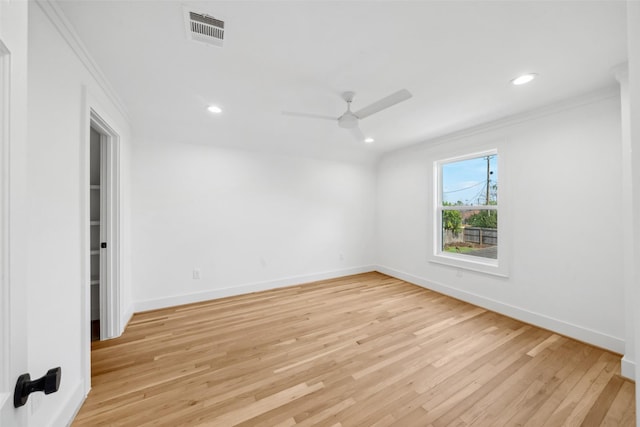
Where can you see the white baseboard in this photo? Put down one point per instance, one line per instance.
(69, 411)
(246, 289)
(126, 318)
(571, 330)
(628, 368)
(574, 331)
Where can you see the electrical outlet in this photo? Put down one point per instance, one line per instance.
(263, 262)
(341, 256)
(196, 273)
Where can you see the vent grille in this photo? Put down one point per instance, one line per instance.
(204, 28)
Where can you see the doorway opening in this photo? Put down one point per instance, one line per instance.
(104, 225)
(97, 232)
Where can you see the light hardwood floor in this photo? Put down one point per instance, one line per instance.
(364, 350)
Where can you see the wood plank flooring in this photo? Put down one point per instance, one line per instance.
(364, 350)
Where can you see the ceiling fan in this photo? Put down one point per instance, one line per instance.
(349, 119)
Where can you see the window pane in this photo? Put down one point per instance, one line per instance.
(470, 232)
(470, 182)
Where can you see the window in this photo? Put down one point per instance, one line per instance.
(466, 216)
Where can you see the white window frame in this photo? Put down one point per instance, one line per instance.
(491, 266)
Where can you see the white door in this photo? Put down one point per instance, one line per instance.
(13, 330)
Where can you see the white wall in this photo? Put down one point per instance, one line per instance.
(560, 190)
(246, 220)
(57, 199)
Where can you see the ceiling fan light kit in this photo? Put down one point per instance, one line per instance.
(350, 119)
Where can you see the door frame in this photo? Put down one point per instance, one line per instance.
(109, 283)
(110, 290)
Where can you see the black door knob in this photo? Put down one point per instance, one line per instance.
(49, 383)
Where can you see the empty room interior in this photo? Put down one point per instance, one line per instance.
(285, 213)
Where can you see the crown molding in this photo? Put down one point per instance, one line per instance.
(608, 92)
(55, 14)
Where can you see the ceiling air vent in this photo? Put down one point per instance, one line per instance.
(204, 28)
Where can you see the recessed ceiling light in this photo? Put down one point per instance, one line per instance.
(214, 109)
(525, 78)
(368, 140)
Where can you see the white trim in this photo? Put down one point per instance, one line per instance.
(495, 267)
(65, 28)
(577, 332)
(175, 300)
(587, 335)
(110, 227)
(621, 73)
(126, 316)
(85, 242)
(468, 264)
(471, 208)
(628, 368)
(105, 229)
(512, 120)
(468, 156)
(68, 412)
(5, 306)
(93, 115)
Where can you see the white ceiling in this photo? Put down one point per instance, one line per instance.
(455, 57)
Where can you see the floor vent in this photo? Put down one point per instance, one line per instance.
(204, 28)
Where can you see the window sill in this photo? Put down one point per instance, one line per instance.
(490, 267)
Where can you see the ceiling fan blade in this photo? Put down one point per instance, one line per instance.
(357, 133)
(393, 99)
(309, 115)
